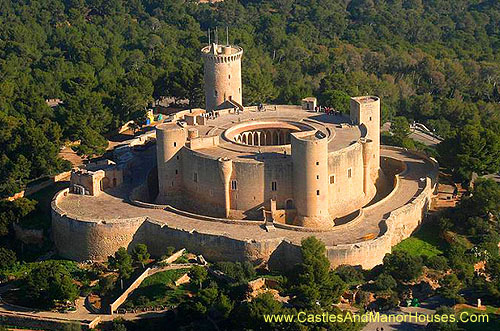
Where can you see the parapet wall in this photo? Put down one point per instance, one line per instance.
(400, 224)
(81, 239)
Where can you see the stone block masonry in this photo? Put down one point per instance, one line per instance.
(81, 239)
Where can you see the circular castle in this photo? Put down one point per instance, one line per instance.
(249, 183)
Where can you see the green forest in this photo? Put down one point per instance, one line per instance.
(433, 61)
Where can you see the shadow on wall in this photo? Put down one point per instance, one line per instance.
(285, 256)
(158, 236)
(153, 188)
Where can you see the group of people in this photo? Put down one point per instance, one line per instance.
(211, 114)
(326, 110)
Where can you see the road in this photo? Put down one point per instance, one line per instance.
(417, 135)
(428, 307)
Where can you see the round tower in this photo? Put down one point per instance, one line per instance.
(222, 75)
(170, 138)
(310, 179)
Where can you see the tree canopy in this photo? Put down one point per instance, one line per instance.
(314, 281)
(48, 283)
(436, 62)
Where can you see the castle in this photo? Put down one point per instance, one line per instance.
(248, 183)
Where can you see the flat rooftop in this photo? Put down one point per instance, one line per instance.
(337, 127)
(216, 49)
(366, 99)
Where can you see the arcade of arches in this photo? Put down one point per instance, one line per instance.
(264, 137)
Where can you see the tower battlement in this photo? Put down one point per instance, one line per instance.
(221, 53)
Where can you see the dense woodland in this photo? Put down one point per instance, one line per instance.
(433, 61)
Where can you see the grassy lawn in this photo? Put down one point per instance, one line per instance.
(158, 289)
(492, 324)
(425, 241)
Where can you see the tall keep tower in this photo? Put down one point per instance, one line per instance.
(222, 76)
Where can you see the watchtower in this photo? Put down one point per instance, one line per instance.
(170, 138)
(310, 178)
(222, 75)
(365, 111)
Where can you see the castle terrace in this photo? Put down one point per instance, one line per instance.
(94, 227)
(249, 183)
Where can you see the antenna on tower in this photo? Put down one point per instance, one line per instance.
(209, 36)
(227, 35)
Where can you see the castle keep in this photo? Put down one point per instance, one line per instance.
(249, 183)
(314, 168)
(222, 75)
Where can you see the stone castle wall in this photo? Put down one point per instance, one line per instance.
(80, 240)
(346, 193)
(86, 239)
(253, 180)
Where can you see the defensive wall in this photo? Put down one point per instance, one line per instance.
(28, 321)
(138, 281)
(82, 239)
(314, 168)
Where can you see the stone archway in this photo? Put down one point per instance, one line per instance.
(269, 137)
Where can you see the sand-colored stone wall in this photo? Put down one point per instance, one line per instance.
(170, 140)
(346, 193)
(81, 240)
(205, 189)
(310, 178)
(399, 225)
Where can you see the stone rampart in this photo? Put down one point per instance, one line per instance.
(97, 239)
(80, 239)
(121, 299)
(399, 225)
(214, 247)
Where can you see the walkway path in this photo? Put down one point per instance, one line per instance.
(111, 206)
(82, 313)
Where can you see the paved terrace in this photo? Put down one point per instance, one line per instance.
(112, 206)
(342, 135)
